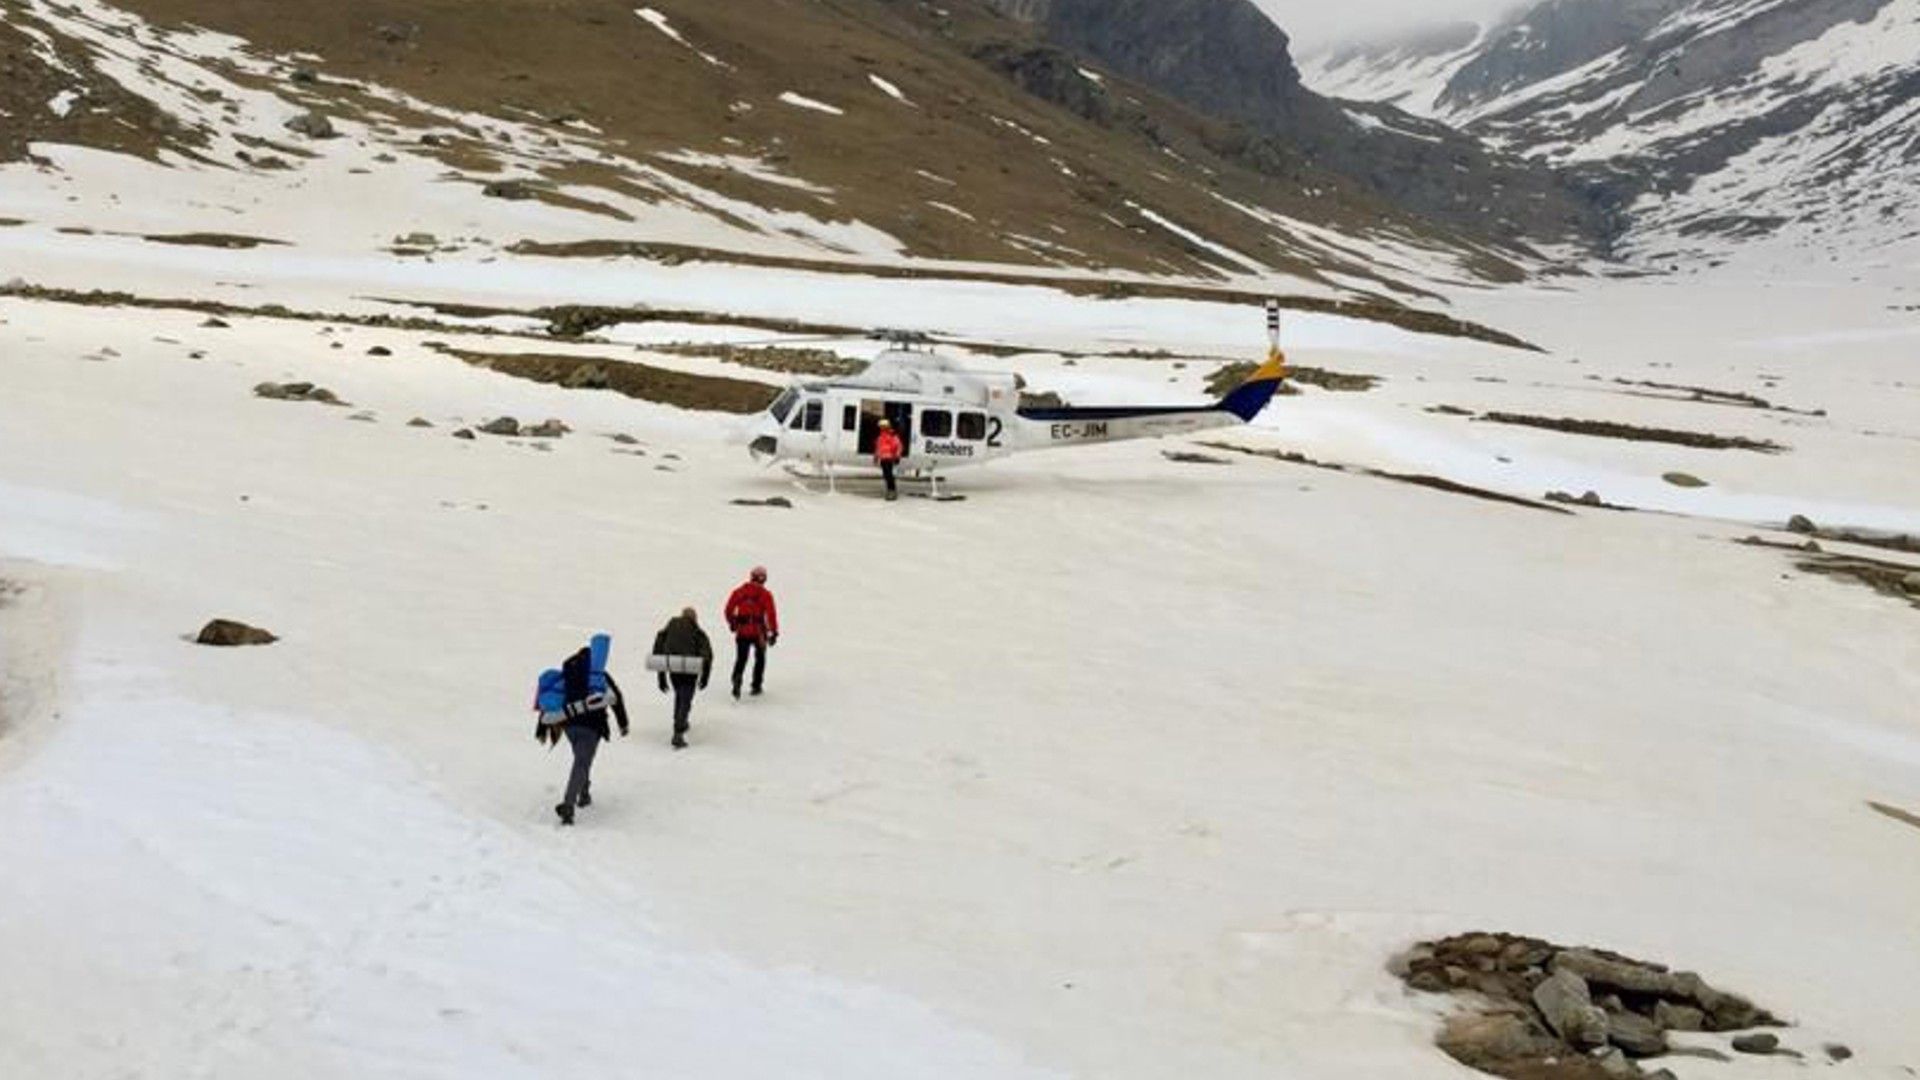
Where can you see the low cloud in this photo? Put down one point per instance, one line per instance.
(1317, 24)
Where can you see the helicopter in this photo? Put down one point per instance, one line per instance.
(949, 417)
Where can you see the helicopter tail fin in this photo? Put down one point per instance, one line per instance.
(1250, 398)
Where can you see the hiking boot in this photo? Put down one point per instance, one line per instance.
(757, 691)
(679, 743)
(565, 812)
(586, 800)
(736, 691)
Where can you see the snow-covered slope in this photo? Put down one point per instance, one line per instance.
(1122, 767)
(1709, 120)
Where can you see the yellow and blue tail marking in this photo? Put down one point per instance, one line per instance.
(1251, 397)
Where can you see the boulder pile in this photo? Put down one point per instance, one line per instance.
(1550, 1011)
(297, 391)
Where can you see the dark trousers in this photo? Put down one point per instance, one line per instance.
(586, 743)
(886, 470)
(741, 647)
(683, 689)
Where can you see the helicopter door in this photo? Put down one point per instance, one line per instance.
(899, 413)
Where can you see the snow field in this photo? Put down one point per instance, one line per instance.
(997, 813)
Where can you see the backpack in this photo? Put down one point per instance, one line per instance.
(564, 690)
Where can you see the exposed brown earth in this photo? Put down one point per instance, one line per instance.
(227, 241)
(1902, 816)
(1707, 396)
(821, 363)
(1229, 376)
(1900, 581)
(1042, 183)
(1379, 310)
(1609, 429)
(687, 391)
(104, 115)
(1433, 483)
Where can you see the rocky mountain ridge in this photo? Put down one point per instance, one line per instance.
(1703, 123)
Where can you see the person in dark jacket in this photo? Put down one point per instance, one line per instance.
(681, 643)
(755, 623)
(585, 726)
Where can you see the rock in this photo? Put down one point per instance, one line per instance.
(546, 429)
(1759, 1042)
(1614, 1063)
(1837, 1052)
(229, 633)
(324, 396)
(512, 190)
(625, 439)
(417, 239)
(463, 433)
(1911, 583)
(305, 76)
(313, 125)
(1724, 1012)
(1812, 547)
(778, 501)
(419, 421)
(1677, 1017)
(1684, 480)
(1591, 498)
(271, 391)
(1480, 1039)
(379, 350)
(1635, 1034)
(1661, 1074)
(215, 323)
(14, 284)
(1564, 1000)
(1802, 524)
(364, 417)
(505, 425)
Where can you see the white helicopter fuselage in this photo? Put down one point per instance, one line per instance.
(949, 417)
(960, 419)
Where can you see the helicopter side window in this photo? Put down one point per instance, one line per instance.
(812, 416)
(936, 423)
(972, 425)
(783, 405)
(849, 417)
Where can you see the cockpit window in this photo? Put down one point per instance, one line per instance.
(783, 405)
(812, 415)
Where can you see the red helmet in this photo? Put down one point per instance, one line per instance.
(759, 574)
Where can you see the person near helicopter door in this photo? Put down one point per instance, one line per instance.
(887, 452)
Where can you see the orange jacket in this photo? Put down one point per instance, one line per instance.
(888, 448)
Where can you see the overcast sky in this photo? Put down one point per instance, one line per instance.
(1314, 23)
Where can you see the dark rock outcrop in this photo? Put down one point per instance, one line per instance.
(230, 633)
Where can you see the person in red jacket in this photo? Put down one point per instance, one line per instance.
(887, 452)
(755, 624)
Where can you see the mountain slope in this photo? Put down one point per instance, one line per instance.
(862, 129)
(1704, 121)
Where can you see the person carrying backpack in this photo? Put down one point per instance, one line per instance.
(887, 452)
(574, 700)
(755, 624)
(683, 656)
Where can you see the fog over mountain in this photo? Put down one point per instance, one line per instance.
(1314, 25)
